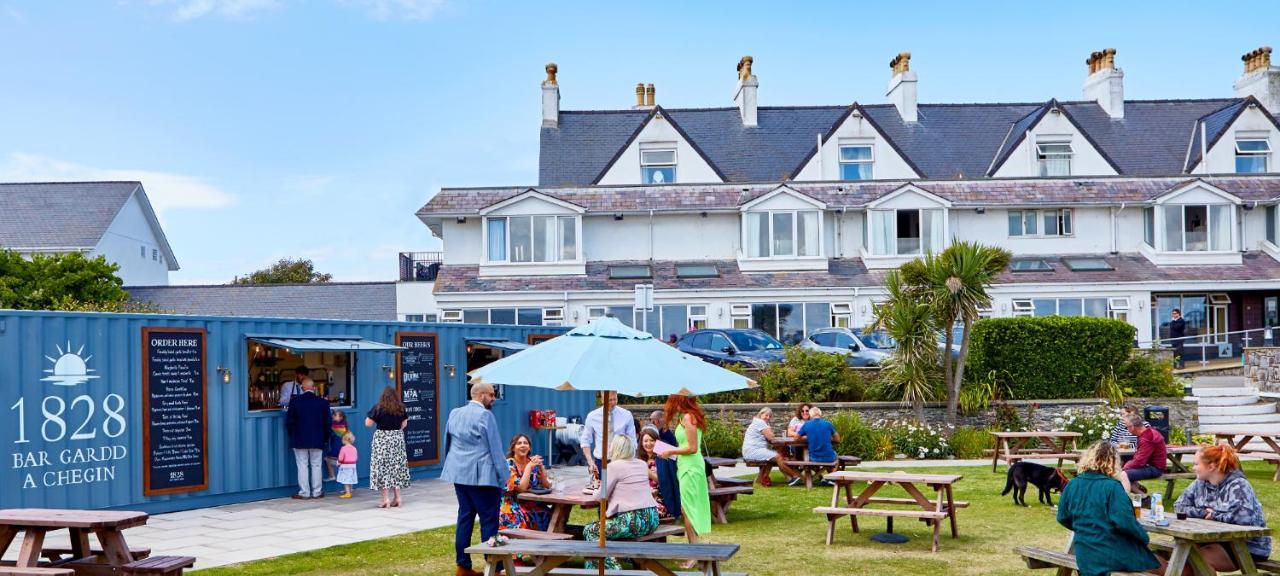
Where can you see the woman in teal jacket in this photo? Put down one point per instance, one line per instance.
(1096, 507)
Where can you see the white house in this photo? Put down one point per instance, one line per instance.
(109, 219)
(786, 218)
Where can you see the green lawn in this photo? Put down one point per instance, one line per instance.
(779, 534)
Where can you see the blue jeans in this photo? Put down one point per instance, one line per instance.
(475, 501)
(1147, 472)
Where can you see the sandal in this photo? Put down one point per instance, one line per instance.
(395, 504)
(384, 505)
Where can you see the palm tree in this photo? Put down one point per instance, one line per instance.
(954, 285)
(909, 319)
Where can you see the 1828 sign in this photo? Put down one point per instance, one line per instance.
(175, 425)
(418, 377)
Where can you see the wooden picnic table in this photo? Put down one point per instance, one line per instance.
(1011, 446)
(547, 556)
(932, 512)
(1189, 533)
(562, 506)
(1272, 439)
(107, 526)
(1173, 453)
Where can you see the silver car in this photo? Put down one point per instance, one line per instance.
(844, 342)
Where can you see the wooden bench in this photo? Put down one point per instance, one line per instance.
(663, 532)
(527, 534)
(550, 555)
(808, 468)
(723, 482)
(594, 572)
(843, 462)
(56, 553)
(1166, 545)
(1040, 558)
(162, 565)
(16, 571)
(1275, 460)
(721, 498)
(1170, 481)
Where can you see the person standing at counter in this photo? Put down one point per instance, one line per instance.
(293, 387)
(476, 465)
(389, 463)
(309, 422)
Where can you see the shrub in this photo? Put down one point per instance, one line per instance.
(810, 376)
(967, 442)
(1178, 436)
(920, 441)
(723, 436)
(858, 439)
(1094, 425)
(1146, 376)
(1052, 357)
(1008, 419)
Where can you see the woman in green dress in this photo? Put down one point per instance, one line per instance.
(695, 505)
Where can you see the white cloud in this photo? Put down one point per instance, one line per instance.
(187, 10)
(397, 9)
(166, 190)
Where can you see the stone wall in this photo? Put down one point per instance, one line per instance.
(1262, 368)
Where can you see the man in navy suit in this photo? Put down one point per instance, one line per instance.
(310, 424)
(476, 465)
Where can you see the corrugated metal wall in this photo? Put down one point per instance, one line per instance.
(248, 452)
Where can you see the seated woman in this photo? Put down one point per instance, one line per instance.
(1221, 493)
(525, 473)
(632, 511)
(757, 447)
(1097, 508)
(793, 427)
(649, 439)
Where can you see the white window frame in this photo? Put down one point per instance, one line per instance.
(1162, 236)
(1023, 307)
(594, 312)
(1043, 157)
(1118, 308)
(673, 164)
(451, 316)
(871, 161)
(553, 316)
(740, 312)
(559, 242)
(692, 315)
(1062, 218)
(1264, 154)
(795, 234)
(940, 243)
(841, 315)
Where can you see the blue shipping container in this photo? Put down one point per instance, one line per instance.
(72, 390)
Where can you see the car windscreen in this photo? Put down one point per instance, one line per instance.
(878, 339)
(752, 341)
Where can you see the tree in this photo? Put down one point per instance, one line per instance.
(953, 284)
(913, 369)
(286, 271)
(69, 281)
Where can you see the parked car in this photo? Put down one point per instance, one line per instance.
(748, 348)
(842, 341)
(880, 340)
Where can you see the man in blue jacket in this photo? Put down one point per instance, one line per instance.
(309, 422)
(476, 465)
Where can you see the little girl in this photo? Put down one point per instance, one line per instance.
(347, 458)
(340, 429)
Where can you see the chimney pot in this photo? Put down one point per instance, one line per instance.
(745, 97)
(1260, 79)
(551, 73)
(639, 94)
(1105, 82)
(551, 98)
(649, 96)
(902, 87)
(900, 63)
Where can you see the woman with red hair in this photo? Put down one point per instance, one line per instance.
(695, 505)
(1221, 493)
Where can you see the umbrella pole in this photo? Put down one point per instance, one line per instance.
(607, 436)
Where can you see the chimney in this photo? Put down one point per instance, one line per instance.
(1105, 83)
(639, 96)
(1260, 80)
(648, 96)
(745, 98)
(902, 87)
(551, 98)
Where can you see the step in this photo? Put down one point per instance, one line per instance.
(1228, 400)
(1259, 408)
(1232, 391)
(1263, 428)
(1240, 419)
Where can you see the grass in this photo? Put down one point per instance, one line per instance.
(779, 534)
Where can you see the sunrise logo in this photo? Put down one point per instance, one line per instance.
(69, 368)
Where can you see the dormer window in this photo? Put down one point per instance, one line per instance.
(1197, 228)
(856, 161)
(658, 164)
(1054, 158)
(907, 232)
(523, 239)
(1252, 155)
(783, 234)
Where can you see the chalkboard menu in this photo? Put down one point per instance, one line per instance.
(418, 378)
(175, 422)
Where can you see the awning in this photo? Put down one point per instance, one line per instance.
(328, 343)
(504, 345)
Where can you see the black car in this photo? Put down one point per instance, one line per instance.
(749, 348)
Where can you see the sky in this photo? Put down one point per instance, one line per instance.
(264, 129)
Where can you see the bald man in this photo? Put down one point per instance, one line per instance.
(476, 465)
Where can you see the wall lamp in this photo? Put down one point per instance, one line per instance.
(617, 216)
(451, 369)
(980, 210)
(225, 374)
(462, 220)
(390, 370)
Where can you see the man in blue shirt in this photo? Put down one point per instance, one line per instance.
(821, 436)
(592, 439)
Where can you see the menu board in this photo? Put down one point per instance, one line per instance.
(175, 422)
(418, 378)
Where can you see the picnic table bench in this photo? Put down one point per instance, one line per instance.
(1177, 468)
(562, 506)
(112, 556)
(1012, 447)
(647, 556)
(1271, 439)
(723, 491)
(1184, 535)
(932, 513)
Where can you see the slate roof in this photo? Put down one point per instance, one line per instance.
(71, 215)
(329, 301)
(948, 141)
(992, 192)
(846, 273)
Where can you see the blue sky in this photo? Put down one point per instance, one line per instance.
(272, 128)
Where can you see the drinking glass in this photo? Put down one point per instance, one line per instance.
(1137, 506)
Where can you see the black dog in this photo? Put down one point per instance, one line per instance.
(1047, 479)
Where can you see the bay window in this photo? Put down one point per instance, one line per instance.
(783, 234)
(907, 232)
(522, 239)
(1197, 227)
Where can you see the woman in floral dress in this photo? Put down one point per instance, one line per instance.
(525, 473)
(648, 439)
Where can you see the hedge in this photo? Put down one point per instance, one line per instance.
(1052, 357)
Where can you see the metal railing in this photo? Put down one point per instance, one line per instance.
(420, 266)
(1216, 346)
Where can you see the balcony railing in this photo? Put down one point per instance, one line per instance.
(420, 266)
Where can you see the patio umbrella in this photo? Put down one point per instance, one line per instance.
(607, 356)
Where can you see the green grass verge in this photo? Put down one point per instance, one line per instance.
(780, 535)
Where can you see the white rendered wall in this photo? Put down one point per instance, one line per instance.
(888, 164)
(128, 234)
(690, 167)
(462, 243)
(1091, 232)
(1222, 156)
(1085, 159)
(415, 298)
(674, 237)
